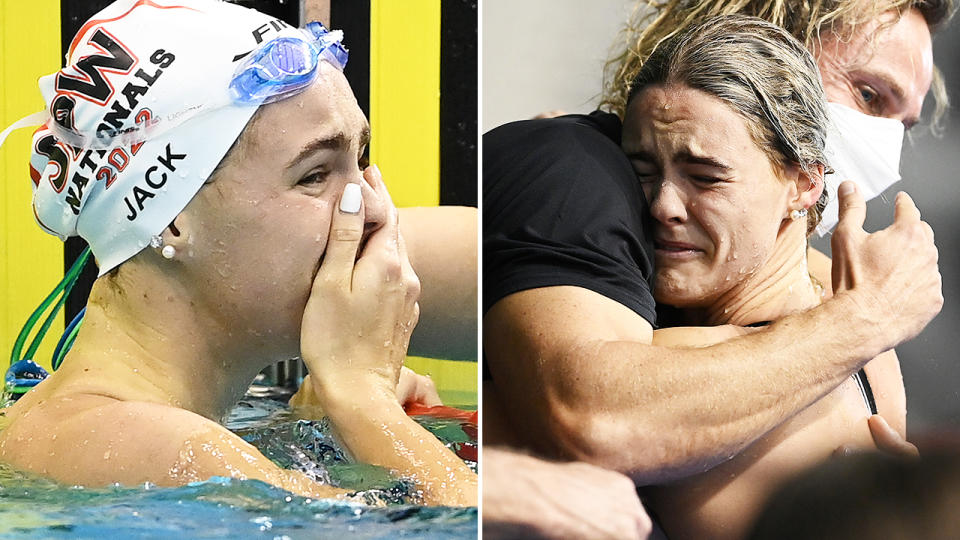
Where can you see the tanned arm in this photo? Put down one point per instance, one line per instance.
(582, 379)
(442, 243)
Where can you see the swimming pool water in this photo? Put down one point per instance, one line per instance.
(33, 507)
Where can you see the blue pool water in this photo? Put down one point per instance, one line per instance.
(32, 507)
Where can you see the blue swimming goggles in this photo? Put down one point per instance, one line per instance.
(284, 66)
(276, 69)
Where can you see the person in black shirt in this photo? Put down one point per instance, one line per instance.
(568, 328)
(544, 228)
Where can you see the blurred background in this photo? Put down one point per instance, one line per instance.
(541, 55)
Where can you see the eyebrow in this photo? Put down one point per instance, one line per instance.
(336, 142)
(892, 85)
(898, 94)
(685, 156)
(690, 157)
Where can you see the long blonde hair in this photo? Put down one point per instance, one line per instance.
(654, 21)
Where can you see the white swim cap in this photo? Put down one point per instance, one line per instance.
(143, 113)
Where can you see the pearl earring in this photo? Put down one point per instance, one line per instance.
(168, 252)
(797, 214)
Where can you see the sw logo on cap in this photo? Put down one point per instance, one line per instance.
(91, 82)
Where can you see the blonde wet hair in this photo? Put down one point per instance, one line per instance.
(762, 73)
(655, 21)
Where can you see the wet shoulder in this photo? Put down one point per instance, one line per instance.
(97, 440)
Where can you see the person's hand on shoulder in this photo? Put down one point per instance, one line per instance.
(892, 275)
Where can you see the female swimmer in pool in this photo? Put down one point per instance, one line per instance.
(725, 129)
(234, 228)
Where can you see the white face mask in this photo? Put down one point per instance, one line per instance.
(861, 148)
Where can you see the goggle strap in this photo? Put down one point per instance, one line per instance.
(33, 119)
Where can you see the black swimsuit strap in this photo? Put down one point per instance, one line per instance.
(865, 390)
(861, 377)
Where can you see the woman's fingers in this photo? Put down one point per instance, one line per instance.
(410, 278)
(346, 231)
(375, 179)
(415, 388)
(888, 440)
(381, 255)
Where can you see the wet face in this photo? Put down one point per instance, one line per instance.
(887, 77)
(259, 230)
(715, 197)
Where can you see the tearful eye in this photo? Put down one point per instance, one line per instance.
(646, 178)
(707, 179)
(314, 178)
(645, 173)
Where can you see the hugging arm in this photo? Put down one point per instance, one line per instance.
(596, 388)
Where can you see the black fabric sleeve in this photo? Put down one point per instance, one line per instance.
(562, 206)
